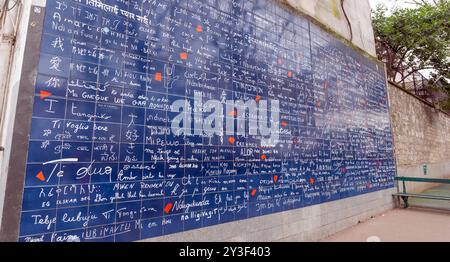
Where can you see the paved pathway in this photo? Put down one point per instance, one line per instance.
(427, 220)
(442, 190)
(400, 225)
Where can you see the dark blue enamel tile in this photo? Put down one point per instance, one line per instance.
(152, 228)
(36, 222)
(46, 200)
(43, 151)
(172, 224)
(54, 65)
(71, 218)
(103, 193)
(56, 45)
(53, 84)
(102, 214)
(47, 178)
(131, 232)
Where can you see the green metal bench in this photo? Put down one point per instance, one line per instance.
(405, 195)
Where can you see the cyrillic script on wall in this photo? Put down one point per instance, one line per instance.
(159, 116)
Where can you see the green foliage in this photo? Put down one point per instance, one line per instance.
(415, 39)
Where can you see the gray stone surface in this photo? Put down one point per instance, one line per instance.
(331, 14)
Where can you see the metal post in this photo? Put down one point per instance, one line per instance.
(415, 86)
(403, 80)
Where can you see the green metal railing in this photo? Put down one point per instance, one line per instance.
(404, 195)
(420, 179)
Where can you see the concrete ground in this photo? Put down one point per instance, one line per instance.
(443, 190)
(426, 221)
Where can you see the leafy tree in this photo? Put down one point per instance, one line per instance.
(410, 40)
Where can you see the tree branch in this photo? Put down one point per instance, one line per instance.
(414, 71)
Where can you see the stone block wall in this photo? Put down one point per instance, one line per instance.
(421, 136)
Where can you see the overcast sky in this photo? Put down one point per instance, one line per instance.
(392, 3)
(388, 3)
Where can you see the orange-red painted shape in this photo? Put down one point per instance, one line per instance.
(44, 94)
(158, 76)
(275, 178)
(41, 176)
(167, 208)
